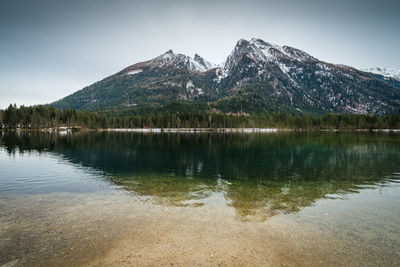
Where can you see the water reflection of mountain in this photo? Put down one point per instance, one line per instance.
(259, 175)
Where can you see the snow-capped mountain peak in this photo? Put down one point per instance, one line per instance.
(392, 73)
(204, 63)
(260, 52)
(256, 53)
(169, 58)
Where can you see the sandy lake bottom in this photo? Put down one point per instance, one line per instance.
(122, 199)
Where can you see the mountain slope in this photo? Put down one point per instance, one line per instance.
(256, 77)
(167, 78)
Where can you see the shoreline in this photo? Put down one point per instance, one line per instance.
(195, 130)
(65, 130)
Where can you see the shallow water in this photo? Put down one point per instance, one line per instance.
(199, 199)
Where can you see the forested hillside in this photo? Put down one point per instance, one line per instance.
(37, 117)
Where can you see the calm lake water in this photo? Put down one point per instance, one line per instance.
(296, 199)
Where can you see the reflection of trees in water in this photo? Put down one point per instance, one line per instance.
(259, 202)
(166, 190)
(259, 175)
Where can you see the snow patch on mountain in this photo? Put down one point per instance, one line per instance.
(221, 73)
(193, 90)
(132, 72)
(189, 85)
(284, 68)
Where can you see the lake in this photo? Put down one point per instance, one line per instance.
(115, 198)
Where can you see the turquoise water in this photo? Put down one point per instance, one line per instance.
(341, 188)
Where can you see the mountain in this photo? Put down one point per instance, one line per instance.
(256, 77)
(390, 73)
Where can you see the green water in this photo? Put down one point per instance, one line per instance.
(343, 185)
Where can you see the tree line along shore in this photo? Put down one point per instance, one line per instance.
(47, 117)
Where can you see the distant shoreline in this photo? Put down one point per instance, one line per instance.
(64, 130)
(195, 130)
(237, 130)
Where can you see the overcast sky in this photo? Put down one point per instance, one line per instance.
(51, 48)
